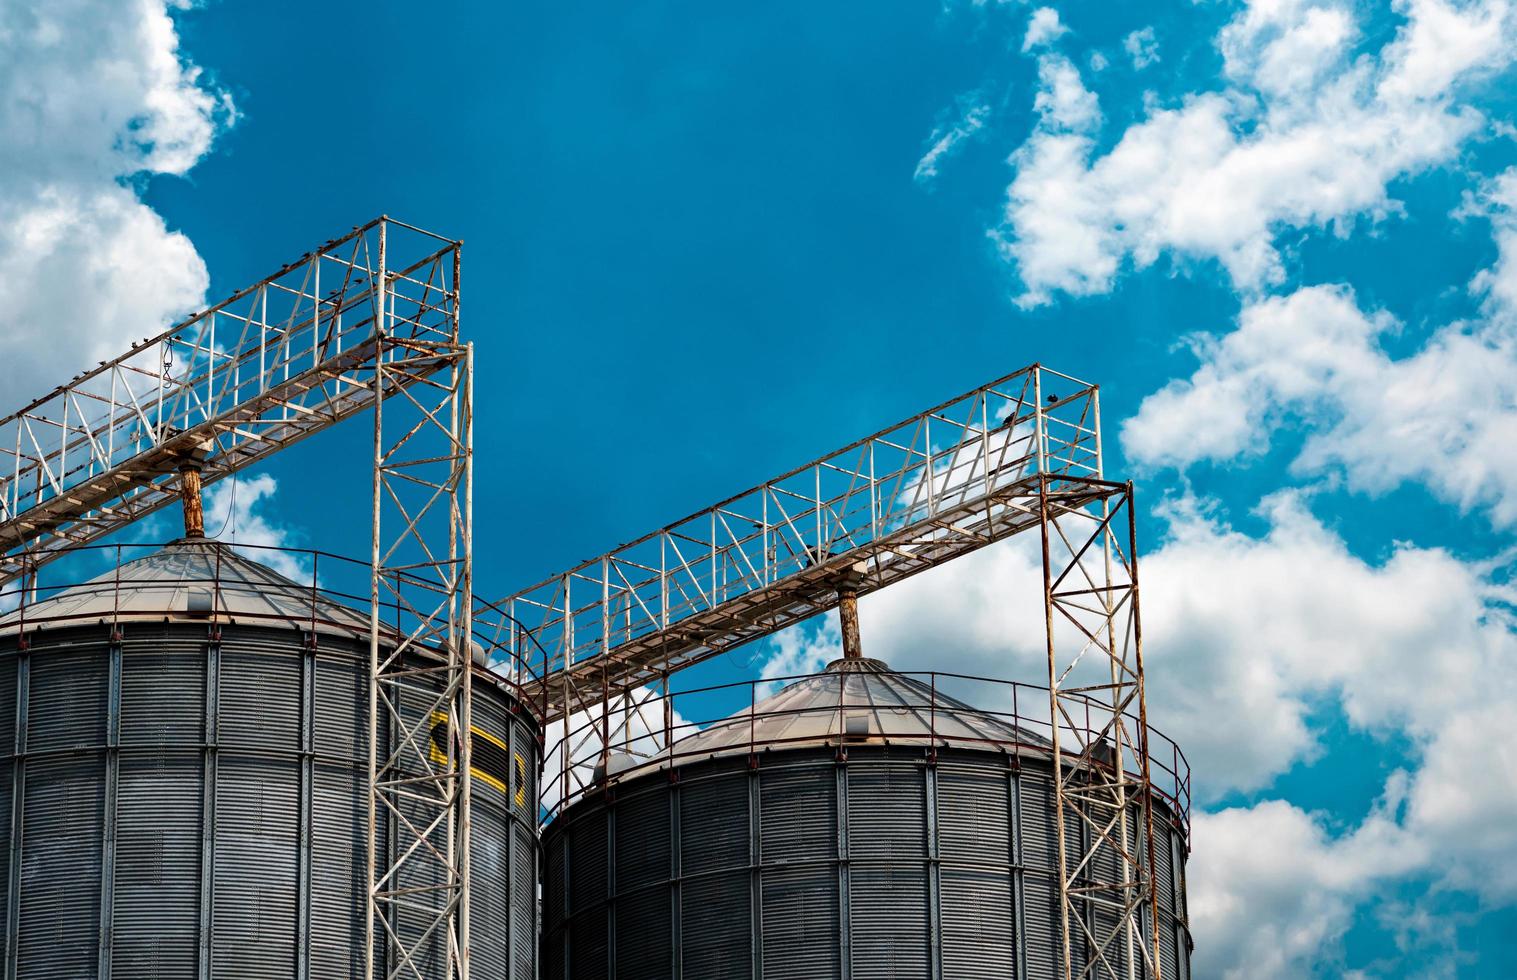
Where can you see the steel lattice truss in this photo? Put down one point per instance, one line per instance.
(273, 364)
(369, 320)
(939, 485)
(1019, 454)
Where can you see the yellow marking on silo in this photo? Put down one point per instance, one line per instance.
(481, 766)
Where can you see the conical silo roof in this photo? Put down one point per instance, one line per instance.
(862, 701)
(191, 578)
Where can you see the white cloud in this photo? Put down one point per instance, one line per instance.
(1292, 619)
(1258, 903)
(948, 136)
(636, 725)
(1445, 416)
(1142, 47)
(1065, 218)
(1287, 351)
(1043, 27)
(1498, 202)
(85, 271)
(1302, 135)
(85, 267)
(1445, 41)
(235, 513)
(1283, 48)
(1063, 102)
(1248, 641)
(1271, 889)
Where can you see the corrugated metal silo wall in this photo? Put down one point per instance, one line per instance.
(181, 807)
(883, 867)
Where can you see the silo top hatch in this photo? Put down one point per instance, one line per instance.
(192, 578)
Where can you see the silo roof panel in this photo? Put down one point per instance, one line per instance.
(192, 578)
(860, 700)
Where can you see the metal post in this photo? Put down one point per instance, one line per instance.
(462, 627)
(1053, 717)
(1143, 753)
(372, 906)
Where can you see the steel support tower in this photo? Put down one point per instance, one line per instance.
(422, 571)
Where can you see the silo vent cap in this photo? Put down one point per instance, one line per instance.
(199, 602)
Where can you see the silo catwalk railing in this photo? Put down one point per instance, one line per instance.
(648, 729)
(369, 320)
(326, 582)
(1020, 453)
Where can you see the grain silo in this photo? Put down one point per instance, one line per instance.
(187, 791)
(857, 824)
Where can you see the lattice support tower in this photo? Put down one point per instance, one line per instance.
(420, 666)
(1108, 899)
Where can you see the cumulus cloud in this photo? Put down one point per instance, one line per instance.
(85, 271)
(640, 724)
(1142, 47)
(1262, 911)
(1288, 351)
(1063, 102)
(235, 512)
(1272, 889)
(1497, 201)
(85, 267)
(1312, 360)
(1043, 27)
(1415, 647)
(968, 121)
(1304, 133)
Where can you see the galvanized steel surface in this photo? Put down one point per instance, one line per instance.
(187, 800)
(861, 698)
(799, 865)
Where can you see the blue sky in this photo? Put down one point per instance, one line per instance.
(706, 243)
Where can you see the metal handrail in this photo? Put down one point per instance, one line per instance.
(332, 581)
(591, 744)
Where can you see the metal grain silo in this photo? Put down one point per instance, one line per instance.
(186, 790)
(857, 824)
